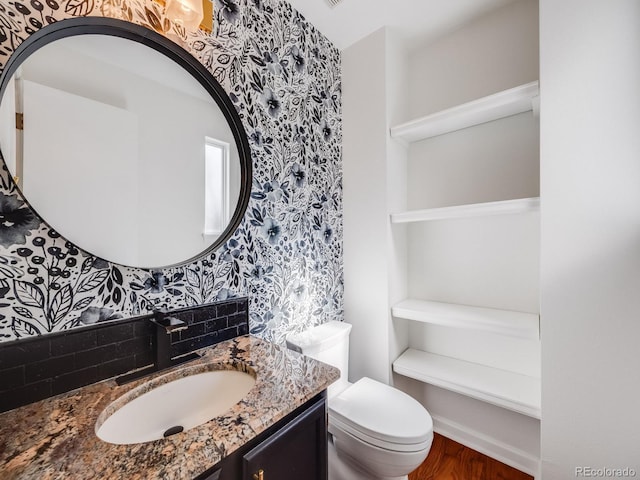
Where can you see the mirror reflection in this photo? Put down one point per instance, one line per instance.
(120, 150)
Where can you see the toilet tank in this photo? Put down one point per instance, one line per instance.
(328, 343)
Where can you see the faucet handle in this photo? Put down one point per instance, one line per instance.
(159, 311)
(170, 324)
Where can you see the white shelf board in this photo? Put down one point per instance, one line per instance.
(509, 390)
(503, 207)
(493, 107)
(504, 322)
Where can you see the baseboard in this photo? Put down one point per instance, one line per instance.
(507, 454)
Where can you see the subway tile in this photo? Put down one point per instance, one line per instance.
(144, 328)
(194, 330)
(95, 356)
(24, 351)
(210, 339)
(116, 367)
(243, 305)
(226, 308)
(189, 345)
(216, 324)
(204, 314)
(25, 395)
(237, 319)
(49, 368)
(115, 333)
(180, 348)
(71, 381)
(184, 316)
(130, 347)
(72, 342)
(143, 359)
(227, 334)
(12, 378)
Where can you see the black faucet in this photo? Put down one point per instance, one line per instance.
(165, 326)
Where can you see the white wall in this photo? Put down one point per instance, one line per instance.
(374, 176)
(397, 256)
(96, 205)
(8, 125)
(491, 53)
(590, 176)
(364, 128)
(495, 161)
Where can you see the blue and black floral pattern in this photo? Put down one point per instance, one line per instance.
(17, 221)
(283, 77)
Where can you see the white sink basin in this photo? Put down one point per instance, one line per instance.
(186, 402)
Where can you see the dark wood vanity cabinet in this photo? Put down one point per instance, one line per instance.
(293, 449)
(296, 451)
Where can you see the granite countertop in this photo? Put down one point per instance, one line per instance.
(55, 438)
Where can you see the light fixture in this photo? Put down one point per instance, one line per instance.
(188, 13)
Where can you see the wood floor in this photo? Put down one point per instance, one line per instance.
(449, 460)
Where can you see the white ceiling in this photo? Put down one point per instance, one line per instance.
(416, 20)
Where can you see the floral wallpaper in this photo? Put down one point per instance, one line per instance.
(283, 77)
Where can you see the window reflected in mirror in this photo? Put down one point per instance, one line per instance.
(216, 189)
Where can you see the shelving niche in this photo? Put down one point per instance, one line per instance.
(513, 391)
(503, 104)
(504, 207)
(498, 386)
(504, 322)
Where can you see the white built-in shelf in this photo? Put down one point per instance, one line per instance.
(513, 391)
(504, 322)
(499, 105)
(503, 207)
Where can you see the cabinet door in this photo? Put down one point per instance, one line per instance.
(297, 451)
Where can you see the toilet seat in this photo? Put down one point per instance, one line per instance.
(381, 416)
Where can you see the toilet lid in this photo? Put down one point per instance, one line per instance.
(382, 415)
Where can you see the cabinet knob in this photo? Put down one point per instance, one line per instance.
(259, 475)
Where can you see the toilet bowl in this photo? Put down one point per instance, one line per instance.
(375, 431)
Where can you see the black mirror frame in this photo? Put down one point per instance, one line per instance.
(120, 28)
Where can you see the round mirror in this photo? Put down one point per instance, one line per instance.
(123, 143)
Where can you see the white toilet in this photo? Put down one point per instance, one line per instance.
(375, 431)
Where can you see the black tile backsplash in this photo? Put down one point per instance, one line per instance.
(95, 356)
(38, 367)
(75, 379)
(210, 326)
(49, 368)
(115, 334)
(83, 341)
(13, 377)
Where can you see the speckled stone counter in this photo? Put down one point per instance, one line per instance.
(55, 438)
